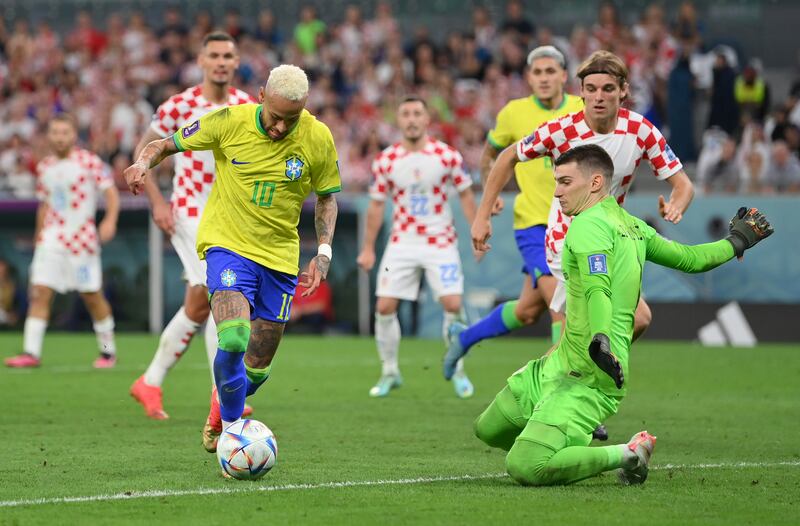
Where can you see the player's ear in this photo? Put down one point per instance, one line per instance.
(598, 182)
(261, 95)
(624, 91)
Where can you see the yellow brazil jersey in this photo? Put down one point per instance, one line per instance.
(260, 186)
(516, 120)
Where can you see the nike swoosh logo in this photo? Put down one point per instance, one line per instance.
(234, 161)
(229, 390)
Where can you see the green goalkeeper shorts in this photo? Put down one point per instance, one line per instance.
(545, 394)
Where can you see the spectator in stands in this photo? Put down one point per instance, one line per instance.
(267, 29)
(680, 108)
(517, 25)
(688, 28)
(724, 109)
(309, 31)
(752, 93)
(717, 168)
(753, 158)
(784, 170)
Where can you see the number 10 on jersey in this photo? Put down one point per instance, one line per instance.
(263, 191)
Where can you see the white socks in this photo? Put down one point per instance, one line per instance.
(447, 320)
(33, 335)
(210, 335)
(104, 330)
(34, 330)
(172, 344)
(387, 338)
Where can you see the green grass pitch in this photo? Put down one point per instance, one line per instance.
(727, 420)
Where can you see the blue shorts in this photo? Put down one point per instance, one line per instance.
(530, 243)
(268, 291)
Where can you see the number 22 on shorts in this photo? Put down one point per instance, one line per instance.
(449, 273)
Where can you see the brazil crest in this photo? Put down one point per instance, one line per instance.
(294, 168)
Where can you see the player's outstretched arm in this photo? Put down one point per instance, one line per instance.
(161, 210)
(747, 227)
(152, 154)
(107, 228)
(499, 176)
(679, 200)
(468, 207)
(325, 212)
(366, 258)
(488, 155)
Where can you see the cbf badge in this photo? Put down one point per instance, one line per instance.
(294, 168)
(228, 277)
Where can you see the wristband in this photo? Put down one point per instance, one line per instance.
(325, 250)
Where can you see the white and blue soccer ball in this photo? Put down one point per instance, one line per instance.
(247, 449)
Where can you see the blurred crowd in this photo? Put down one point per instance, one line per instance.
(714, 107)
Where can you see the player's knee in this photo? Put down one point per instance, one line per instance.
(528, 314)
(197, 308)
(233, 336)
(451, 303)
(484, 432)
(38, 295)
(526, 463)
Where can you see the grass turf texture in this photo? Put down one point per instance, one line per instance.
(71, 432)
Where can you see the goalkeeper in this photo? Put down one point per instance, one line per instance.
(544, 417)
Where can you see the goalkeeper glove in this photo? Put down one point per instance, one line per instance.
(748, 227)
(600, 352)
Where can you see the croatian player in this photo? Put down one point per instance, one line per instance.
(269, 158)
(67, 254)
(546, 76)
(416, 174)
(191, 185)
(627, 136)
(545, 415)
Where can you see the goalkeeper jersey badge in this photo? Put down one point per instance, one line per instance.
(597, 264)
(228, 277)
(294, 168)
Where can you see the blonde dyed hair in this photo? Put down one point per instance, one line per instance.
(604, 62)
(288, 81)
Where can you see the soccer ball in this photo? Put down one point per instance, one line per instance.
(247, 450)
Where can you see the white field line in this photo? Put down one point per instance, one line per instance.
(247, 488)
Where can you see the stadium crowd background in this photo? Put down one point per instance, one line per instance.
(714, 105)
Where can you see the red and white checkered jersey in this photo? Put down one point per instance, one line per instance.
(194, 171)
(635, 138)
(71, 187)
(418, 183)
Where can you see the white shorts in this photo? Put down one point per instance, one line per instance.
(402, 266)
(184, 240)
(64, 272)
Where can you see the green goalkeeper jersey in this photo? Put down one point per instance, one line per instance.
(604, 254)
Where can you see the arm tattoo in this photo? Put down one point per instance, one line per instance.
(323, 264)
(157, 151)
(325, 212)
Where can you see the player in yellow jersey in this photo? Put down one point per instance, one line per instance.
(546, 76)
(269, 157)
